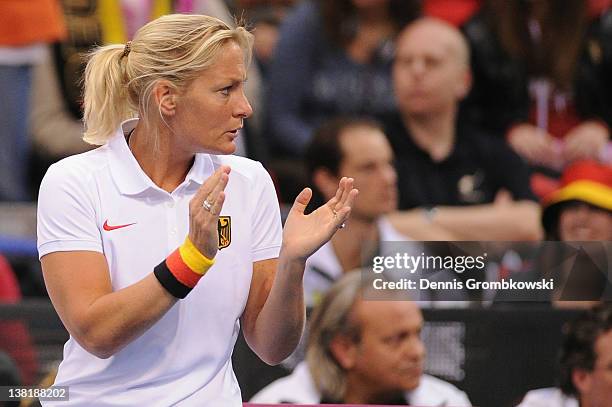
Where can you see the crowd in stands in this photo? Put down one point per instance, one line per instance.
(459, 120)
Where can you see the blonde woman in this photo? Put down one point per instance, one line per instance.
(157, 245)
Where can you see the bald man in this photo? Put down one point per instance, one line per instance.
(458, 183)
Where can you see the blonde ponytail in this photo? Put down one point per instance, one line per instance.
(119, 80)
(106, 103)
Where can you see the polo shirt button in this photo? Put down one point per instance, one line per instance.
(170, 204)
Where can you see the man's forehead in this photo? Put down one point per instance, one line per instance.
(603, 346)
(379, 313)
(431, 35)
(352, 139)
(426, 44)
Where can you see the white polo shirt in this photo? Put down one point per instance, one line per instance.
(299, 388)
(323, 268)
(548, 397)
(102, 201)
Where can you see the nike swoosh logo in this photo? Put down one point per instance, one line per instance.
(108, 227)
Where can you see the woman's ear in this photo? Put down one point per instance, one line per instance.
(165, 97)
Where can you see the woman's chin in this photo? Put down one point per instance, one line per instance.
(226, 149)
(230, 149)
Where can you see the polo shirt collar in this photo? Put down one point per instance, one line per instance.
(129, 176)
(201, 169)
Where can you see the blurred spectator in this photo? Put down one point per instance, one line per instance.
(265, 16)
(586, 365)
(277, 8)
(363, 352)
(9, 374)
(120, 19)
(543, 77)
(9, 287)
(455, 12)
(333, 57)
(15, 339)
(581, 208)
(266, 31)
(357, 148)
(55, 121)
(45, 383)
(56, 115)
(469, 185)
(598, 7)
(354, 148)
(25, 26)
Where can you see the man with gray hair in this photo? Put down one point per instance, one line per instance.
(363, 352)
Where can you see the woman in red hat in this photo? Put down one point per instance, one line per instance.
(581, 208)
(577, 217)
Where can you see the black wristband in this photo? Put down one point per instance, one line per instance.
(169, 282)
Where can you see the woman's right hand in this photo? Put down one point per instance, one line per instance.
(586, 141)
(203, 230)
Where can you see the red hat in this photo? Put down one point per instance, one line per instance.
(586, 181)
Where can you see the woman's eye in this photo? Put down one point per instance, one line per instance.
(225, 91)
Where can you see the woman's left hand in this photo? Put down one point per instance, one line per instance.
(305, 234)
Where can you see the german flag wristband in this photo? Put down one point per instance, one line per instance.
(182, 269)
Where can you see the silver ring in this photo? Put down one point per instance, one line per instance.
(342, 226)
(207, 205)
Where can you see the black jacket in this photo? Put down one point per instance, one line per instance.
(499, 96)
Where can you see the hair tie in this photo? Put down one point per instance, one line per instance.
(127, 49)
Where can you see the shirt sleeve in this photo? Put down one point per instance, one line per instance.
(266, 222)
(512, 172)
(66, 217)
